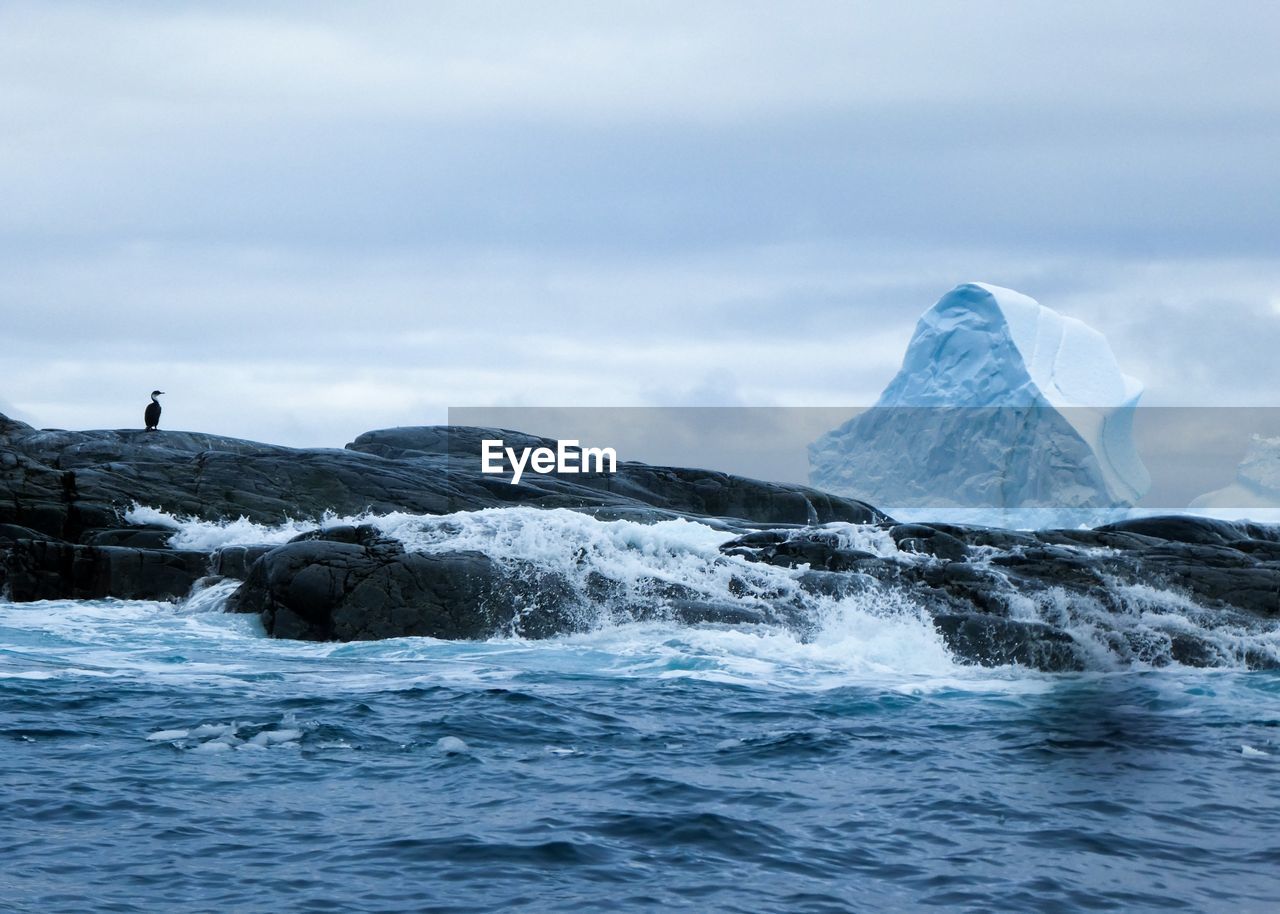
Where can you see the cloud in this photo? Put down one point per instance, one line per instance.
(318, 218)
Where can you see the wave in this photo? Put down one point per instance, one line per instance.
(615, 566)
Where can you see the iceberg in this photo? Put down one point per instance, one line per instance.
(1257, 482)
(1000, 403)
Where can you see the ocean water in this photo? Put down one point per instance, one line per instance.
(158, 757)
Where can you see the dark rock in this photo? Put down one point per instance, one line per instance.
(986, 536)
(1095, 539)
(360, 535)
(48, 570)
(960, 587)
(834, 585)
(459, 441)
(1191, 651)
(64, 483)
(1051, 566)
(1262, 550)
(10, 426)
(351, 583)
(35, 495)
(139, 537)
(235, 561)
(693, 612)
(991, 641)
(817, 549)
(323, 590)
(1254, 589)
(1182, 529)
(11, 532)
(928, 540)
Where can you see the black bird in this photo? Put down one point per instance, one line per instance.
(152, 414)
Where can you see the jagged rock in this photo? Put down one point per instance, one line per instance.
(1232, 569)
(52, 570)
(992, 641)
(35, 495)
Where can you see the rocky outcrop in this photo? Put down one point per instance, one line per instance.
(353, 584)
(1235, 566)
(62, 495)
(67, 483)
(44, 569)
(977, 582)
(61, 536)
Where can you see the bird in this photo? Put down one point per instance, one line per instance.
(152, 414)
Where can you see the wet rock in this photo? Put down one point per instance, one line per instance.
(235, 561)
(50, 570)
(66, 483)
(34, 495)
(1181, 528)
(322, 590)
(817, 549)
(693, 612)
(928, 540)
(992, 641)
(139, 537)
(12, 532)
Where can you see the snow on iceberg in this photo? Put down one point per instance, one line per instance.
(1000, 402)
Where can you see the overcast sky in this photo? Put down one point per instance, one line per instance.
(307, 220)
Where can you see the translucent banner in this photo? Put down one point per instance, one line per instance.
(946, 462)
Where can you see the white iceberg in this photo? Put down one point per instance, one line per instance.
(1000, 403)
(1257, 482)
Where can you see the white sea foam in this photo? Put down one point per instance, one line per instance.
(451, 745)
(207, 535)
(275, 737)
(209, 598)
(876, 632)
(217, 737)
(868, 538)
(168, 736)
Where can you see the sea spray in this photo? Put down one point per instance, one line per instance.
(615, 566)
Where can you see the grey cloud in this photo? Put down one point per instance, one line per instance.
(322, 217)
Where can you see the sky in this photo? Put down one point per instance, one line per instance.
(307, 220)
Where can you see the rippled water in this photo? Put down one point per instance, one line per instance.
(161, 757)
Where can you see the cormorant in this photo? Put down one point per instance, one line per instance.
(152, 414)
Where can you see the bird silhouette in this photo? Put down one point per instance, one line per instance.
(152, 414)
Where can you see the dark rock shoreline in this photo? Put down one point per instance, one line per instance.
(63, 495)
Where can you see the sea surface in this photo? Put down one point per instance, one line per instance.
(170, 757)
